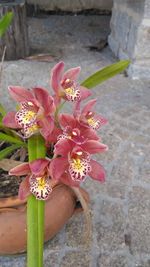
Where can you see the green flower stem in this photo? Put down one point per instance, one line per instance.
(41, 209)
(35, 210)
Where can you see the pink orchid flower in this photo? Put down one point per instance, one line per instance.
(88, 118)
(35, 111)
(37, 180)
(75, 164)
(65, 84)
(75, 130)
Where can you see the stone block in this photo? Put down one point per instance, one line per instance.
(76, 258)
(132, 39)
(123, 54)
(142, 263)
(124, 170)
(147, 9)
(113, 261)
(113, 44)
(139, 220)
(75, 231)
(110, 188)
(52, 259)
(139, 70)
(142, 45)
(122, 29)
(109, 224)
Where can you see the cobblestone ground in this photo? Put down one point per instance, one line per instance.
(120, 208)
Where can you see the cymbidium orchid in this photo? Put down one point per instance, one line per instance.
(59, 145)
(35, 114)
(65, 84)
(37, 180)
(88, 118)
(75, 163)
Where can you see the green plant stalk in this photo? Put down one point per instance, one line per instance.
(41, 213)
(35, 210)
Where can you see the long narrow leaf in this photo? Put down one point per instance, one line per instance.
(10, 139)
(5, 23)
(105, 74)
(7, 151)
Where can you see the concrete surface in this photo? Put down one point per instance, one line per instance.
(120, 207)
(68, 5)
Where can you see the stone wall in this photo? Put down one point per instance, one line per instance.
(69, 5)
(130, 35)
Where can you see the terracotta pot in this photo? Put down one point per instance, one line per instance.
(59, 208)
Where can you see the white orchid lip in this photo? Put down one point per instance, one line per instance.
(79, 168)
(79, 165)
(93, 123)
(26, 118)
(40, 187)
(72, 94)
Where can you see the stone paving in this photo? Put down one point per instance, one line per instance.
(120, 207)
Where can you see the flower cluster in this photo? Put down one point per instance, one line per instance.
(70, 139)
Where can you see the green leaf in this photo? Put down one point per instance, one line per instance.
(10, 139)
(2, 110)
(105, 74)
(5, 22)
(8, 150)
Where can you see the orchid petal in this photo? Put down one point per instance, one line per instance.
(101, 119)
(10, 121)
(93, 147)
(37, 166)
(88, 106)
(63, 147)
(67, 120)
(21, 169)
(97, 172)
(57, 167)
(24, 189)
(44, 99)
(89, 133)
(20, 94)
(47, 126)
(66, 179)
(72, 74)
(52, 137)
(56, 76)
(84, 92)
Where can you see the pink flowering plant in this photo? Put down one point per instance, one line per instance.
(59, 145)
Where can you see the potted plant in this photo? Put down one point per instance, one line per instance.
(56, 149)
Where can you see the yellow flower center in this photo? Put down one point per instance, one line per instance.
(77, 164)
(93, 122)
(28, 116)
(30, 129)
(69, 91)
(41, 183)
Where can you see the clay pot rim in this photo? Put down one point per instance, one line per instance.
(14, 201)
